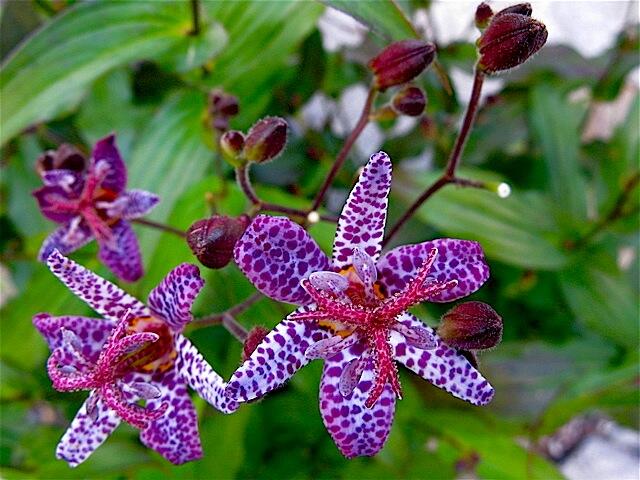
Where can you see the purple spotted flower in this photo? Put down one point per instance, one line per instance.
(136, 352)
(93, 203)
(353, 313)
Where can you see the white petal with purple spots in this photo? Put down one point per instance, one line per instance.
(201, 377)
(275, 254)
(364, 215)
(85, 433)
(461, 260)
(173, 297)
(356, 430)
(103, 296)
(443, 366)
(275, 360)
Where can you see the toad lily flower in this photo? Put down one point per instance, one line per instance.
(137, 352)
(92, 204)
(353, 313)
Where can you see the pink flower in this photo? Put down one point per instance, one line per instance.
(353, 313)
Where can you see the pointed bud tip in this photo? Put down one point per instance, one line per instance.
(212, 240)
(483, 15)
(401, 62)
(231, 145)
(471, 326)
(266, 140)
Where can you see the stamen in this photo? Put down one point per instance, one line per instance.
(365, 269)
(144, 390)
(331, 282)
(351, 374)
(329, 347)
(416, 336)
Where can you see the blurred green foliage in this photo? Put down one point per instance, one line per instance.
(570, 304)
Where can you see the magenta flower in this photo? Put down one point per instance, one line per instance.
(135, 352)
(94, 204)
(353, 313)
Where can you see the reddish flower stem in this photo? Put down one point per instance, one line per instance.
(449, 175)
(160, 226)
(227, 318)
(342, 155)
(234, 328)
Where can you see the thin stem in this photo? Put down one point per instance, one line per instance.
(616, 212)
(160, 226)
(449, 175)
(195, 18)
(272, 207)
(217, 318)
(242, 177)
(342, 155)
(234, 328)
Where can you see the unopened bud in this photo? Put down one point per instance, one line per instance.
(231, 145)
(521, 8)
(401, 62)
(212, 240)
(221, 108)
(66, 157)
(509, 40)
(471, 326)
(483, 15)
(265, 140)
(411, 101)
(254, 337)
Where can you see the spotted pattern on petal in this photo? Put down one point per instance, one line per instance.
(91, 332)
(174, 435)
(84, 435)
(461, 260)
(356, 430)
(443, 366)
(173, 297)
(105, 150)
(364, 215)
(103, 296)
(194, 369)
(280, 354)
(138, 203)
(66, 239)
(275, 254)
(122, 255)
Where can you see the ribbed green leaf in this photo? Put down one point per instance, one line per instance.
(518, 230)
(58, 62)
(384, 17)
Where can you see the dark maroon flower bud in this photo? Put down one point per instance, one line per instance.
(401, 62)
(254, 337)
(265, 140)
(521, 8)
(509, 40)
(411, 101)
(212, 240)
(471, 326)
(483, 15)
(221, 108)
(66, 157)
(231, 145)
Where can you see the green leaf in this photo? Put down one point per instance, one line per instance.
(602, 301)
(384, 17)
(262, 37)
(193, 51)
(518, 230)
(170, 156)
(556, 124)
(56, 64)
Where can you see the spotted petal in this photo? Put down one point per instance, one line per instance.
(443, 366)
(356, 430)
(103, 296)
(173, 297)
(280, 354)
(175, 434)
(137, 203)
(85, 433)
(193, 368)
(275, 254)
(92, 333)
(66, 239)
(461, 260)
(105, 150)
(363, 217)
(122, 253)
